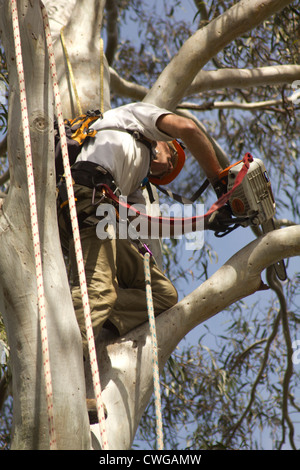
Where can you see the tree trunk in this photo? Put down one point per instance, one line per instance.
(17, 266)
(82, 46)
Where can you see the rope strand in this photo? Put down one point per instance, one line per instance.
(159, 424)
(76, 236)
(34, 225)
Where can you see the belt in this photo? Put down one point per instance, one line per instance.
(87, 174)
(92, 175)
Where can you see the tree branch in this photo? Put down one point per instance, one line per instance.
(19, 307)
(80, 28)
(126, 380)
(277, 287)
(267, 105)
(3, 146)
(59, 14)
(243, 78)
(4, 178)
(217, 80)
(111, 30)
(201, 7)
(284, 223)
(3, 149)
(4, 385)
(245, 353)
(123, 87)
(172, 84)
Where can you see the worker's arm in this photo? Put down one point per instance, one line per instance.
(194, 139)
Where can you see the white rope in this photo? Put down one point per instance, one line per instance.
(34, 225)
(157, 396)
(76, 235)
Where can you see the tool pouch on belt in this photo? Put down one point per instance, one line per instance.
(87, 178)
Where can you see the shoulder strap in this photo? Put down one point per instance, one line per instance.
(135, 134)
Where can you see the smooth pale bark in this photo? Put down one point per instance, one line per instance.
(126, 373)
(244, 78)
(18, 293)
(207, 80)
(125, 88)
(82, 37)
(171, 85)
(234, 105)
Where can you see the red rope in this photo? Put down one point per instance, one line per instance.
(76, 236)
(186, 222)
(34, 225)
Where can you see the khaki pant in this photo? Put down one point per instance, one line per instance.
(115, 280)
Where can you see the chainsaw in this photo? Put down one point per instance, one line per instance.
(252, 203)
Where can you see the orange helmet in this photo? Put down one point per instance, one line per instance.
(178, 162)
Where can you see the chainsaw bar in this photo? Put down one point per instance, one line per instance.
(279, 267)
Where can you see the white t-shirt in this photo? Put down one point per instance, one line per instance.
(118, 151)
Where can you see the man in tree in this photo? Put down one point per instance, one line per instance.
(133, 142)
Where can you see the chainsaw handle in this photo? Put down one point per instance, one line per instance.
(224, 173)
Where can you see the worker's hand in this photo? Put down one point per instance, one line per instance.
(220, 187)
(219, 220)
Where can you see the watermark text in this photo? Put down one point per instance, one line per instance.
(166, 221)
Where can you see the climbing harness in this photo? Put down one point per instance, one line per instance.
(76, 236)
(77, 132)
(34, 226)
